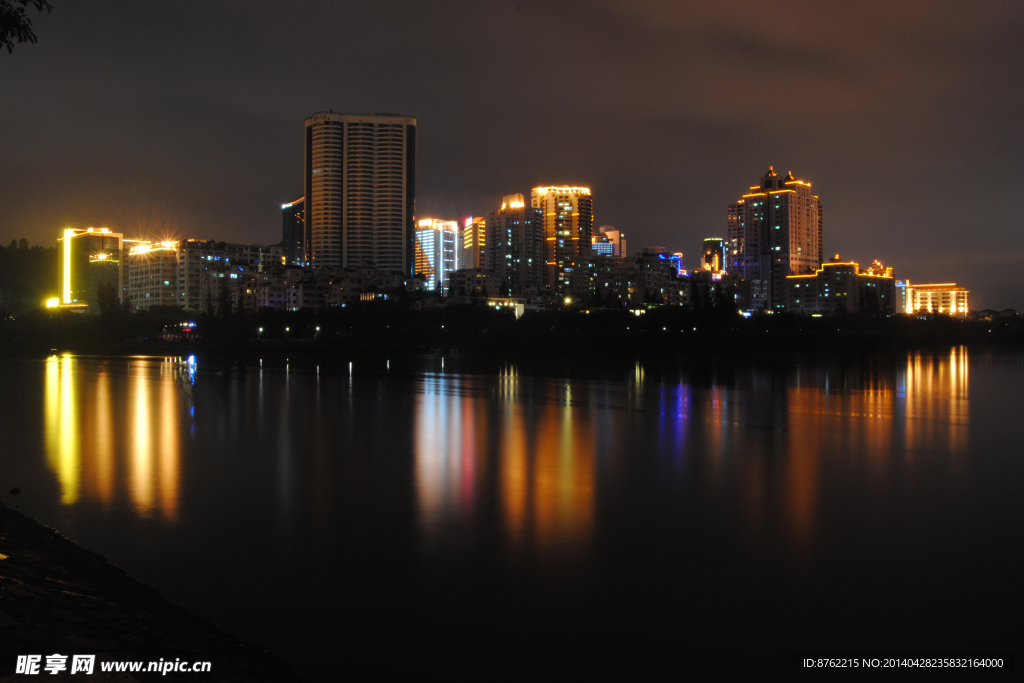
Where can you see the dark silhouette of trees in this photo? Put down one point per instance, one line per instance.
(28, 276)
(15, 26)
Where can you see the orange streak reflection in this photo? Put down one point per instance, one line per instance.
(141, 455)
(103, 481)
(170, 449)
(545, 464)
(865, 424)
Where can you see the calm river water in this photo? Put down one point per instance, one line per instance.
(450, 513)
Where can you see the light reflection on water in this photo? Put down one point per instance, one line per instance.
(544, 460)
(107, 435)
(427, 494)
(548, 445)
(533, 445)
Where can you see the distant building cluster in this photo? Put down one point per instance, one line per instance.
(354, 235)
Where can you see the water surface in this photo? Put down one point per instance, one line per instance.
(358, 515)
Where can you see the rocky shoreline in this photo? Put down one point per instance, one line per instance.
(57, 597)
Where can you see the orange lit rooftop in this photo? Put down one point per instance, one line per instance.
(950, 286)
(562, 189)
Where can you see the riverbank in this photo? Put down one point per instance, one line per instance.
(57, 597)
(468, 329)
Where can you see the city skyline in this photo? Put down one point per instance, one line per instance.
(873, 121)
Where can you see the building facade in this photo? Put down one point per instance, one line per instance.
(90, 260)
(474, 242)
(515, 245)
(713, 255)
(182, 273)
(944, 299)
(614, 239)
(567, 214)
(360, 190)
(293, 233)
(439, 252)
(778, 228)
(734, 237)
(840, 287)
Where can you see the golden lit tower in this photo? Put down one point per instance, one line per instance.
(360, 198)
(90, 260)
(778, 229)
(568, 218)
(474, 242)
(713, 257)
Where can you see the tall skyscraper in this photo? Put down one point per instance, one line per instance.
(568, 218)
(515, 244)
(438, 252)
(734, 240)
(778, 227)
(474, 242)
(360, 190)
(90, 260)
(293, 231)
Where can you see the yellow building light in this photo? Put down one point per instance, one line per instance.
(53, 303)
(66, 284)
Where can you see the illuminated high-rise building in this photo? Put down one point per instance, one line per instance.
(713, 257)
(293, 233)
(778, 227)
(515, 244)
(474, 242)
(567, 214)
(438, 252)
(90, 260)
(360, 190)
(734, 245)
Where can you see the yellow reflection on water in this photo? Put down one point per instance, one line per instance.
(141, 455)
(170, 449)
(108, 434)
(62, 448)
(936, 393)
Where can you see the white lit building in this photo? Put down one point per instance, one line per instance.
(181, 273)
(438, 253)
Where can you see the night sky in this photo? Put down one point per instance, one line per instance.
(185, 118)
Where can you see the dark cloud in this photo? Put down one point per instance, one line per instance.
(186, 117)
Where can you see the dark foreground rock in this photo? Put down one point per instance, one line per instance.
(57, 597)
